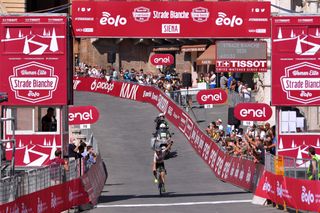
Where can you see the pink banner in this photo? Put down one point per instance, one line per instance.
(34, 59)
(94, 180)
(171, 19)
(237, 171)
(296, 145)
(296, 193)
(53, 199)
(295, 61)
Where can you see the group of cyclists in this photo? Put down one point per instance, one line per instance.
(161, 143)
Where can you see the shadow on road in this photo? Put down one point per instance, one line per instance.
(113, 198)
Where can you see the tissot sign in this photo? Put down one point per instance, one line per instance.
(241, 56)
(33, 60)
(295, 61)
(171, 19)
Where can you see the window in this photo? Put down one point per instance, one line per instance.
(29, 120)
(299, 120)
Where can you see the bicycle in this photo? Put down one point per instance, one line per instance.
(161, 187)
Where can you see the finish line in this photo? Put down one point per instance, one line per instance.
(174, 204)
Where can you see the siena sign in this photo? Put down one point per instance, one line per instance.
(252, 112)
(83, 115)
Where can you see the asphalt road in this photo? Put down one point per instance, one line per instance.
(123, 132)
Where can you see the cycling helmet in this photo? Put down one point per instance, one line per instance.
(163, 125)
(161, 115)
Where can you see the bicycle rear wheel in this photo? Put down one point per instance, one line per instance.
(160, 188)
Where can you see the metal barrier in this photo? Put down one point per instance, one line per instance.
(187, 97)
(36, 179)
(287, 166)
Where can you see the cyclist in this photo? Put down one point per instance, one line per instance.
(158, 167)
(160, 119)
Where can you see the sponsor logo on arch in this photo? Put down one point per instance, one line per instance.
(212, 96)
(162, 59)
(252, 112)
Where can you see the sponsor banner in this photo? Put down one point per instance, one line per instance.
(241, 65)
(93, 181)
(33, 55)
(296, 145)
(295, 61)
(83, 115)
(212, 96)
(53, 199)
(171, 19)
(252, 112)
(162, 59)
(296, 193)
(241, 56)
(234, 170)
(35, 150)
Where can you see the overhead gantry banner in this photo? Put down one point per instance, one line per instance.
(171, 19)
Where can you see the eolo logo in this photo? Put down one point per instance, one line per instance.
(113, 21)
(224, 20)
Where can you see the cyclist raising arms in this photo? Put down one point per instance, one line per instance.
(158, 165)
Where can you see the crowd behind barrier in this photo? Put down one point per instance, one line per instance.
(171, 82)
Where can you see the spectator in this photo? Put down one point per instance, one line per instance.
(312, 172)
(49, 122)
(246, 93)
(223, 81)
(219, 124)
(91, 157)
(73, 149)
(212, 80)
(230, 80)
(55, 167)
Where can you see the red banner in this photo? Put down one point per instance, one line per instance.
(234, 170)
(94, 180)
(33, 57)
(171, 19)
(295, 61)
(296, 145)
(83, 115)
(296, 193)
(53, 199)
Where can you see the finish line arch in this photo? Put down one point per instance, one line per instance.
(240, 172)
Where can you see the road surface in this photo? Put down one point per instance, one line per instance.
(123, 131)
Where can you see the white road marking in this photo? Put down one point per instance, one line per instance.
(174, 204)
